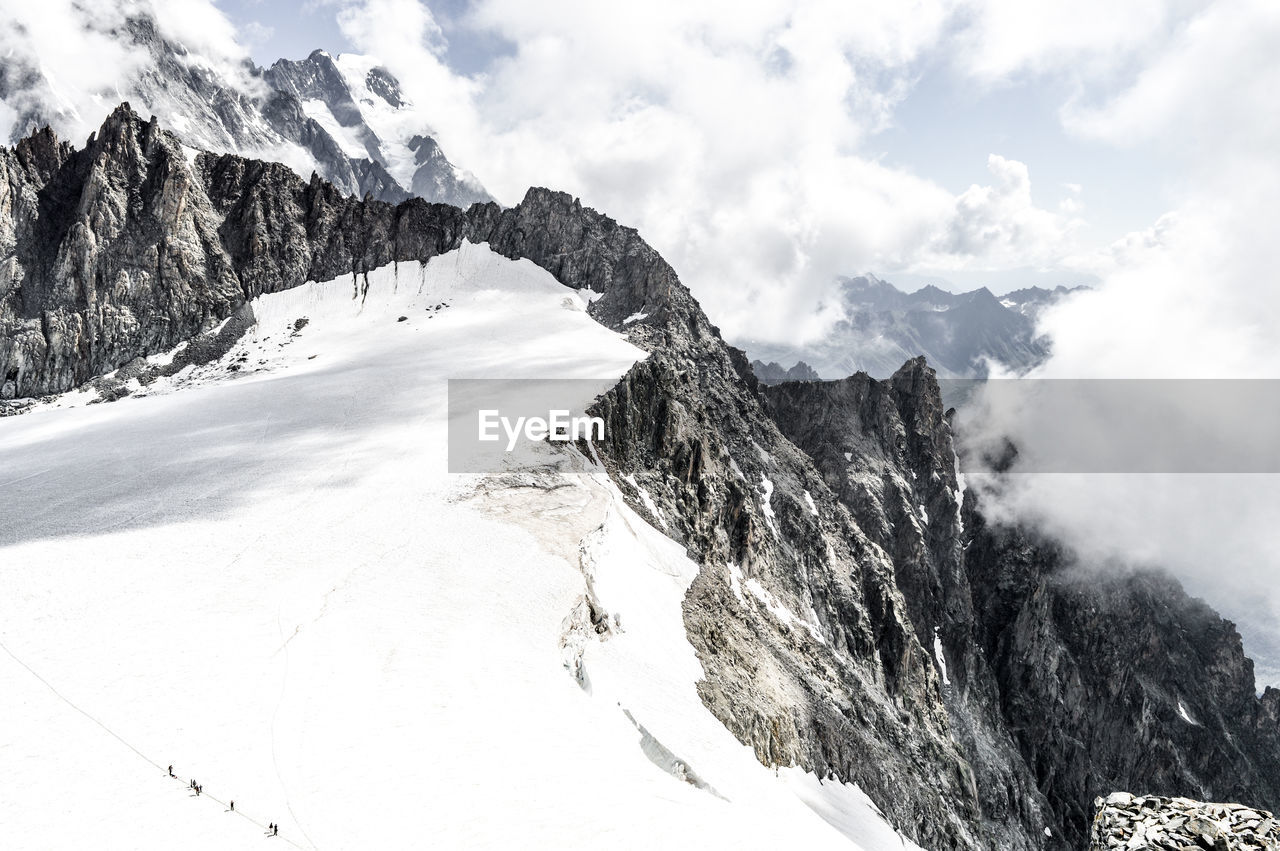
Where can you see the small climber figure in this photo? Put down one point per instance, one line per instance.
(170, 770)
(233, 806)
(275, 830)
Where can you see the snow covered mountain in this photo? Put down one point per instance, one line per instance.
(360, 105)
(346, 119)
(957, 332)
(751, 615)
(300, 576)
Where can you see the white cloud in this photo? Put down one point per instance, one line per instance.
(256, 33)
(1193, 296)
(1004, 38)
(85, 55)
(1204, 91)
(81, 65)
(198, 25)
(1000, 226)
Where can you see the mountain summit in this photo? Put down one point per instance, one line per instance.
(344, 118)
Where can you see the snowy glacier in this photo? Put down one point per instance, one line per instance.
(265, 577)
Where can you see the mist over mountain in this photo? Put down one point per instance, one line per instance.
(961, 334)
(345, 117)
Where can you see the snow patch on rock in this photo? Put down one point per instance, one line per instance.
(767, 505)
(647, 500)
(940, 656)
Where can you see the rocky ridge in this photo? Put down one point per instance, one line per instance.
(1152, 822)
(855, 614)
(131, 245)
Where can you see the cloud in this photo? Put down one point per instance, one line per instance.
(256, 33)
(1191, 296)
(76, 49)
(1001, 39)
(198, 25)
(999, 225)
(84, 61)
(1202, 92)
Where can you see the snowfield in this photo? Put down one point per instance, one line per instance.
(267, 578)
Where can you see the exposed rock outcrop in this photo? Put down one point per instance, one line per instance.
(1065, 682)
(317, 83)
(1151, 822)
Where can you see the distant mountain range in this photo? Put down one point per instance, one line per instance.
(776, 373)
(345, 118)
(957, 332)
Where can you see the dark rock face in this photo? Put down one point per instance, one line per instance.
(850, 616)
(956, 332)
(1066, 683)
(356, 176)
(776, 373)
(317, 78)
(109, 253)
(884, 448)
(1118, 681)
(805, 639)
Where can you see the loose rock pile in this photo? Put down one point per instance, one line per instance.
(1180, 824)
